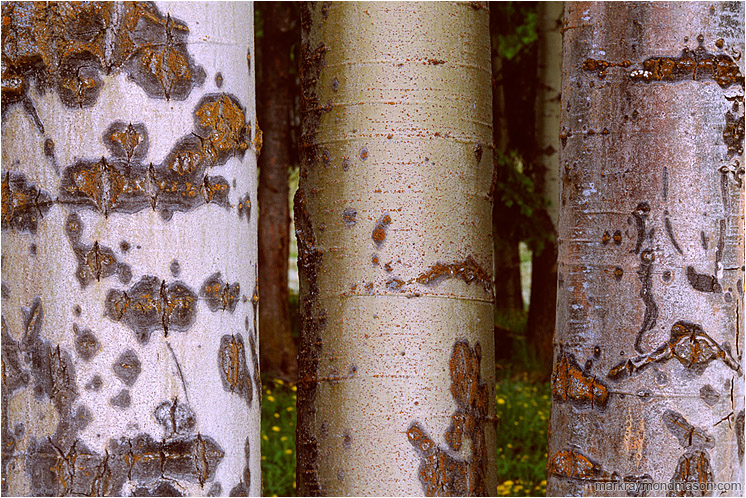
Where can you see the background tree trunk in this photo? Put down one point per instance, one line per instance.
(396, 372)
(541, 313)
(275, 102)
(129, 338)
(648, 372)
(507, 260)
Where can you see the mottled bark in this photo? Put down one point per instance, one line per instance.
(648, 373)
(274, 106)
(542, 306)
(396, 371)
(128, 264)
(507, 260)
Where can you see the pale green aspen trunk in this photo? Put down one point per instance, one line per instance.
(396, 368)
(648, 379)
(129, 306)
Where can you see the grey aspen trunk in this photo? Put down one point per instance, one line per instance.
(648, 379)
(129, 310)
(392, 216)
(542, 306)
(278, 355)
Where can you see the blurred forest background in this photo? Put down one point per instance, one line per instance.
(526, 56)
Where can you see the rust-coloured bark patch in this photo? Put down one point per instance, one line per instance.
(468, 270)
(571, 384)
(150, 305)
(220, 295)
(440, 473)
(574, 465)
(94, 261)
(23, 204)
(234, 373)
(689, 344)
(67, 46)
(220, 121)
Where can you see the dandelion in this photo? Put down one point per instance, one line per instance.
(293, 484)
(275, 428)
(515, 423)
(508, 483)
(271, 399)
(510, 445)
(264, 436)
(288, 452)
(264, 457)
(543, 481)
(500, 401)
(284, 438)
(279, 381)
(277, 415)
(290, 408)
(294, 388)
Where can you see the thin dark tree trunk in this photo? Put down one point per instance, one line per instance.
(542, 307)
(507, 260)
(278, 354)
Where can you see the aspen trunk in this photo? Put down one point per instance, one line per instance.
(129, 312)
(396, 372)
(275, 103)
(648, 370)
(542, 306)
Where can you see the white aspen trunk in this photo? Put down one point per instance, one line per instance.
(648, 373)
(396, 363)
(129, 337)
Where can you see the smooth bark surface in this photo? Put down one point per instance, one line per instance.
(129, 324)
(275, 102)
(542, 306)
(648, 373)
(396, 372)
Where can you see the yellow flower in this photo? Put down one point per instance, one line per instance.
(268, 391)
(284, 438)
(294, 388)
(288, 452)
(264, 457)
(515, 423)
(271, 398)
(543, 482)
(293, 484)
(508, 483)
(500, 401)
(290, 408)
(510, 445)
(295, 397)
(264, 436)
(279, 381)
(518, 488)
(275, 428)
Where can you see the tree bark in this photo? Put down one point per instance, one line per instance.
(648, 371)
(275, 103)
(542, 306)
(396, 371)
(129, 338)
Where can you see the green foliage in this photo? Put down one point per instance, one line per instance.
(518, 206)
(278, 438)
(519, 34)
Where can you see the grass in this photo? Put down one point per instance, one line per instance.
(278, 438)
